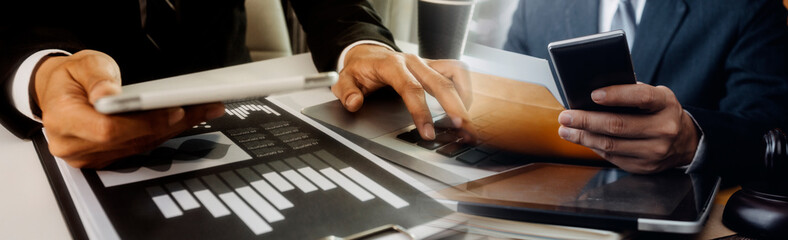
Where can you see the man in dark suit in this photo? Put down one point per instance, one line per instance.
(61, 56)
(719, 67)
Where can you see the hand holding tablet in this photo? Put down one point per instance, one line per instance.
(194, 89)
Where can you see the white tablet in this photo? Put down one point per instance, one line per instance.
(204, 87)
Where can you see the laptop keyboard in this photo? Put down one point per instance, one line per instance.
(450, 145)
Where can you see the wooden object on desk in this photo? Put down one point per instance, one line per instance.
(714, 228)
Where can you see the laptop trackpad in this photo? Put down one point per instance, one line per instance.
(383, 112)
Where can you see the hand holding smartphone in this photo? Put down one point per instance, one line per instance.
(587, 63)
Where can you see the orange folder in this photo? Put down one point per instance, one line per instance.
(521, 117)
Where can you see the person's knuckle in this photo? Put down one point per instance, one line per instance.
(58, 149)
(411, 57)
(337, 90)
(395, 58)
(580, 137)
(661, 151)
(669, 129)
(444, 83)
(584, 120)
(419, 113)
(616, 125)
(91, 59)
(648, 97)
(348, 73)
(93, 54)
(666, 95)
(607, 144)
(412, 87)
(664, 89)
(77, 163)
(650, 167)
(97, 61)
(70, 63)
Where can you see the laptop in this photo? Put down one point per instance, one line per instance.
(385, 127)
(518, 105)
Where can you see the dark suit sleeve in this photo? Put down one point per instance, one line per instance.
(17, 43)
(11, 119)
(25, 28)
(757, 94)
(332, 25)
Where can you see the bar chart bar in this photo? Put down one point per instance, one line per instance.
(237, 206)
(183, 197)
(280, 183)
(311, 174)
(164, 202)
(255, 200)
(362, 180)
(273, 196)
(216, 208)
(300, 182)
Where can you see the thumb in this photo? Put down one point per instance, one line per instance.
(103, 88)
(96, 72)
(348, 93)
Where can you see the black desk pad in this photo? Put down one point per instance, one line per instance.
(219, 180)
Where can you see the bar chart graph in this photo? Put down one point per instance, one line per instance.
(247, 192)
(242, 109)
(257, 173)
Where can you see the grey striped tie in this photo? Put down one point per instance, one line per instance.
(624, 19)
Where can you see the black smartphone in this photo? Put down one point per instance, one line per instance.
(587, 63)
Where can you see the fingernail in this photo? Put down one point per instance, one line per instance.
(97, 88)
(102, 88)
(428, 131)
(457, 121)
(214, 111)
(352, 101)
(565, 118)
(176, 115)
(598, 95)
(564, 132)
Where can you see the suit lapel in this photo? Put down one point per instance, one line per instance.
(582, 17)
(660, 20)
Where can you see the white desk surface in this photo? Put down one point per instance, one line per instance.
(28, 209)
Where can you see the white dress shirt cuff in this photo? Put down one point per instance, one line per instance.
(341, 62)
(20, 84)
(701, 150)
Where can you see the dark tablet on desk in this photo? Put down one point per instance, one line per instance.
(593, 197)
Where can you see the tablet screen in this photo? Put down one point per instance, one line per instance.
(671, 195)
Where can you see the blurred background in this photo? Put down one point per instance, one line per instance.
(489, 24)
